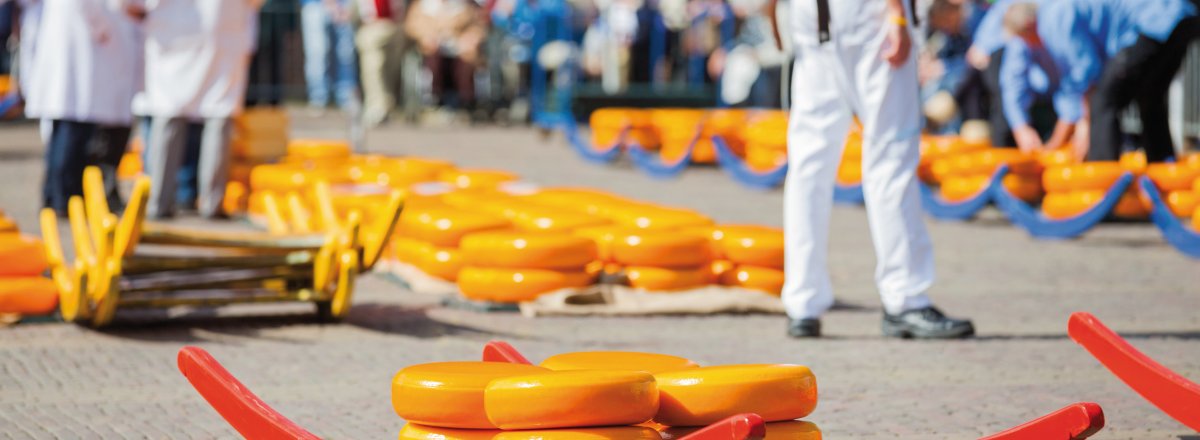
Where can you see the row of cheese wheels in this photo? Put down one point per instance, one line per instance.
(673, 130)
(598, 389)
(785, 430)
(24, 290)
(963, 169)
(1073, 189)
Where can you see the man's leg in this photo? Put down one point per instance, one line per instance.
(373, 43)
(105, 151)
(66, 157)
(817, 129)
(1001, 132)
(1115, 90)
(1152, 96)
(316, 53)
(345, 64)
(888, 107)
(214, 166)
(163, 157)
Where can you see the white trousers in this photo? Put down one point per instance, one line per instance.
(832, 82)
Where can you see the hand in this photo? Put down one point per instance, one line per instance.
(1028, 139)
(977, 59)
(898, 44)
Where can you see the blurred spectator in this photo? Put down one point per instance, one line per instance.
(8, 13)
(275, 21)
(197, 56)
(1109, 54)
(985, 56)
(329, 61)
(448, 34)
(381, 44)
(942, 66)
(755, 46)
(87, 64)
(30, 22)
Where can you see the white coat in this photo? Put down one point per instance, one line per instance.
(31, 20)
(87, 63)
(197, 56)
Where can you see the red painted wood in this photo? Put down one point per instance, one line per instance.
(248, 414)
(500, 351)
(748, 426)
(1170, 392)
(1073, 422)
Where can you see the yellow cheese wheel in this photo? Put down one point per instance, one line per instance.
(445, 226)
(1089, 176)
(409, 250)
(661, 249)
(7, 225)
(604, 433)
(618, 117)
(318, 149)
(667, 279)
(651, 217)
(517, 285)
(959, 188)
(721, 267)
(415, 431)
(986, 162)
(285, 177)
(849, 173)
(528, 250)
(1024, 187)
(236, 198)
(1196, 184)
(701, 396)
(441, 262)
(1057, 158)
(1061, 205)
(652, 363)
(766, 279)
(564, 399)
(21, 256)
(770, 128)
(935, 146)
(761, 158)
(1131, 206)
(1170, 177)
(450, 394)
(754, 245)
(367, 199)
(1134, 161)
(28, 295)
(476, 178)
(1182, 203)
(553, 219)
(130, 166)
(604, 237)
(583, 200)
(396, 172)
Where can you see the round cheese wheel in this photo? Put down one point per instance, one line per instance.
(476, 178)
(528, 250)
(604, 433)
(667, 279)
(285, 177)
(959, 188)
(702, 396)
(1182, 203)
(318, 149)
(1090, 176)
(849, 173)
(1131, 206)
(986, 162)
(1196, 184)
(604, 237)
(441, 262)
(619, 117)
(415, 431)
(236, 198)
(651, 217)
(409, 250)
(445, 226)
(766, 279)
(1134, 161)
(1061, 205)
(661, 249)
(8, 226)
(1024, 187)
(935, 146)
(769, 128)
(721, 267)
(130, 166)
(582, 200)
(1057, 158)
(517, 285)
(1170, 177)
(396, 172)
(28, 295)
(754, 245)
(564, 399)
(450, 394)
(652, 363)
(763, 158)
(553, 219)
(942, 168)
(21, 256)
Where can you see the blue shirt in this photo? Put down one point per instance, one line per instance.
(1027, 74)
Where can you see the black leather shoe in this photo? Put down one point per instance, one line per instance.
(926, 323)
(804, 328)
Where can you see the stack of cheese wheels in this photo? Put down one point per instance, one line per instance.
(494, 395)
(1073, 189)
(850, 168)
(647, 216)
(652, 363)
(582, 200)
(525, 213)
(748, 256)
(428, 237)
(1132, 205)
(317, 151)
(971, 173)
(476, 179)
(662, 260)
(938, 154)
(677, 129)
(766, 140)
(23, 288)
(519, 266)
(702, 396)
(726, 123)
(609, 124)
(1178, 183)
(395, 172)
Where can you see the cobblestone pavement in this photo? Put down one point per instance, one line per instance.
(62, 381)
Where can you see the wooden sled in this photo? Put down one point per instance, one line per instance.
(1038, 225)
(741, 172)
(1175, 395)
(255, 419)
(941, 209)
(589, 152)
(1177, 235)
